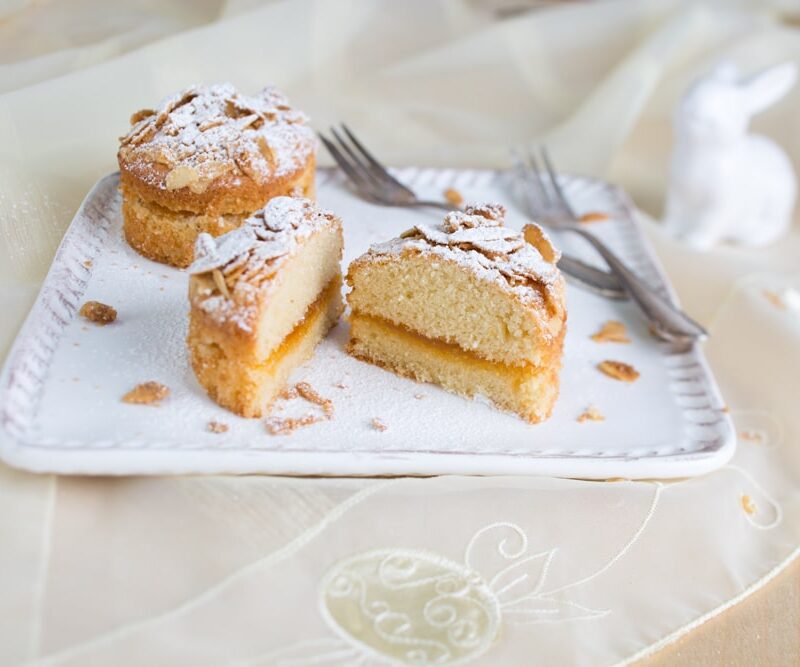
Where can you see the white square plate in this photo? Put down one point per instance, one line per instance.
(60, 407)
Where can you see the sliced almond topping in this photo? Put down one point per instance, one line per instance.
(182, 176)
(537, 237)
(591, 414)
(141, 115)
(618, 370)
(97, 312)
(594, 216)
(264, 147)
(612, 331)
(378, 425)
(219, 281)
(147, 393)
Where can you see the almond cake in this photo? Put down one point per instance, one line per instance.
(469, 304)
(203, 161)
(262, 297)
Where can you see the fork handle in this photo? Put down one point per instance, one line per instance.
(669, 322)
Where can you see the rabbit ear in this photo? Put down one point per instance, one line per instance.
(765, 88)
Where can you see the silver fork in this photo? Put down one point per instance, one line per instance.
(550, 206)
(373, 182)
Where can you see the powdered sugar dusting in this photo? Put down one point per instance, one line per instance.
(207, 131)
(477, 239)
(247, 257)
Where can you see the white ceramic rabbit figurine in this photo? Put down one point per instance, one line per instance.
(726, 184)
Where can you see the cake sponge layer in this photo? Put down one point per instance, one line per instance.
(168, 235)
(235, 382)
(525, 390)
(437, 298)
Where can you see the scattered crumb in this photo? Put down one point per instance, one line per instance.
(594, 216)
(76, 344)
(612, 331)
(419, 397)
(341, 385)
(164, 275)
(278, 426)
(147, 393)
(378, 425)
(217, 427)
(97, 312)
(725, 409)
(591, 414)
(751, 436)
(160, 289)
(617, 479)
(307, 392)
(87, 263)
(76, 379)
(748, 505)
(288, 394)
(453, 196)
(285, 426)
(618, 370)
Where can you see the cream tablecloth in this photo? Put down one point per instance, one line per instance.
(249, 570)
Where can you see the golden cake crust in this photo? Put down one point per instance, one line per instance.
(211, 149)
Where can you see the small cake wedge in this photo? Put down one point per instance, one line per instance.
(469, 304)
(262, 297)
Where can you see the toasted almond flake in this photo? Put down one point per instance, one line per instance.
(147, 393)
(594, 216)
(774, 298)
(99, 313)
(183, 176)
(87, 263)
(751, 435)
(453, 196)
(141, 115)
(378, 425)
(618, 370)
(591, 414)
(612, 331)
(217, 427)
(538, 238)
(219, 281)
(748, 505)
